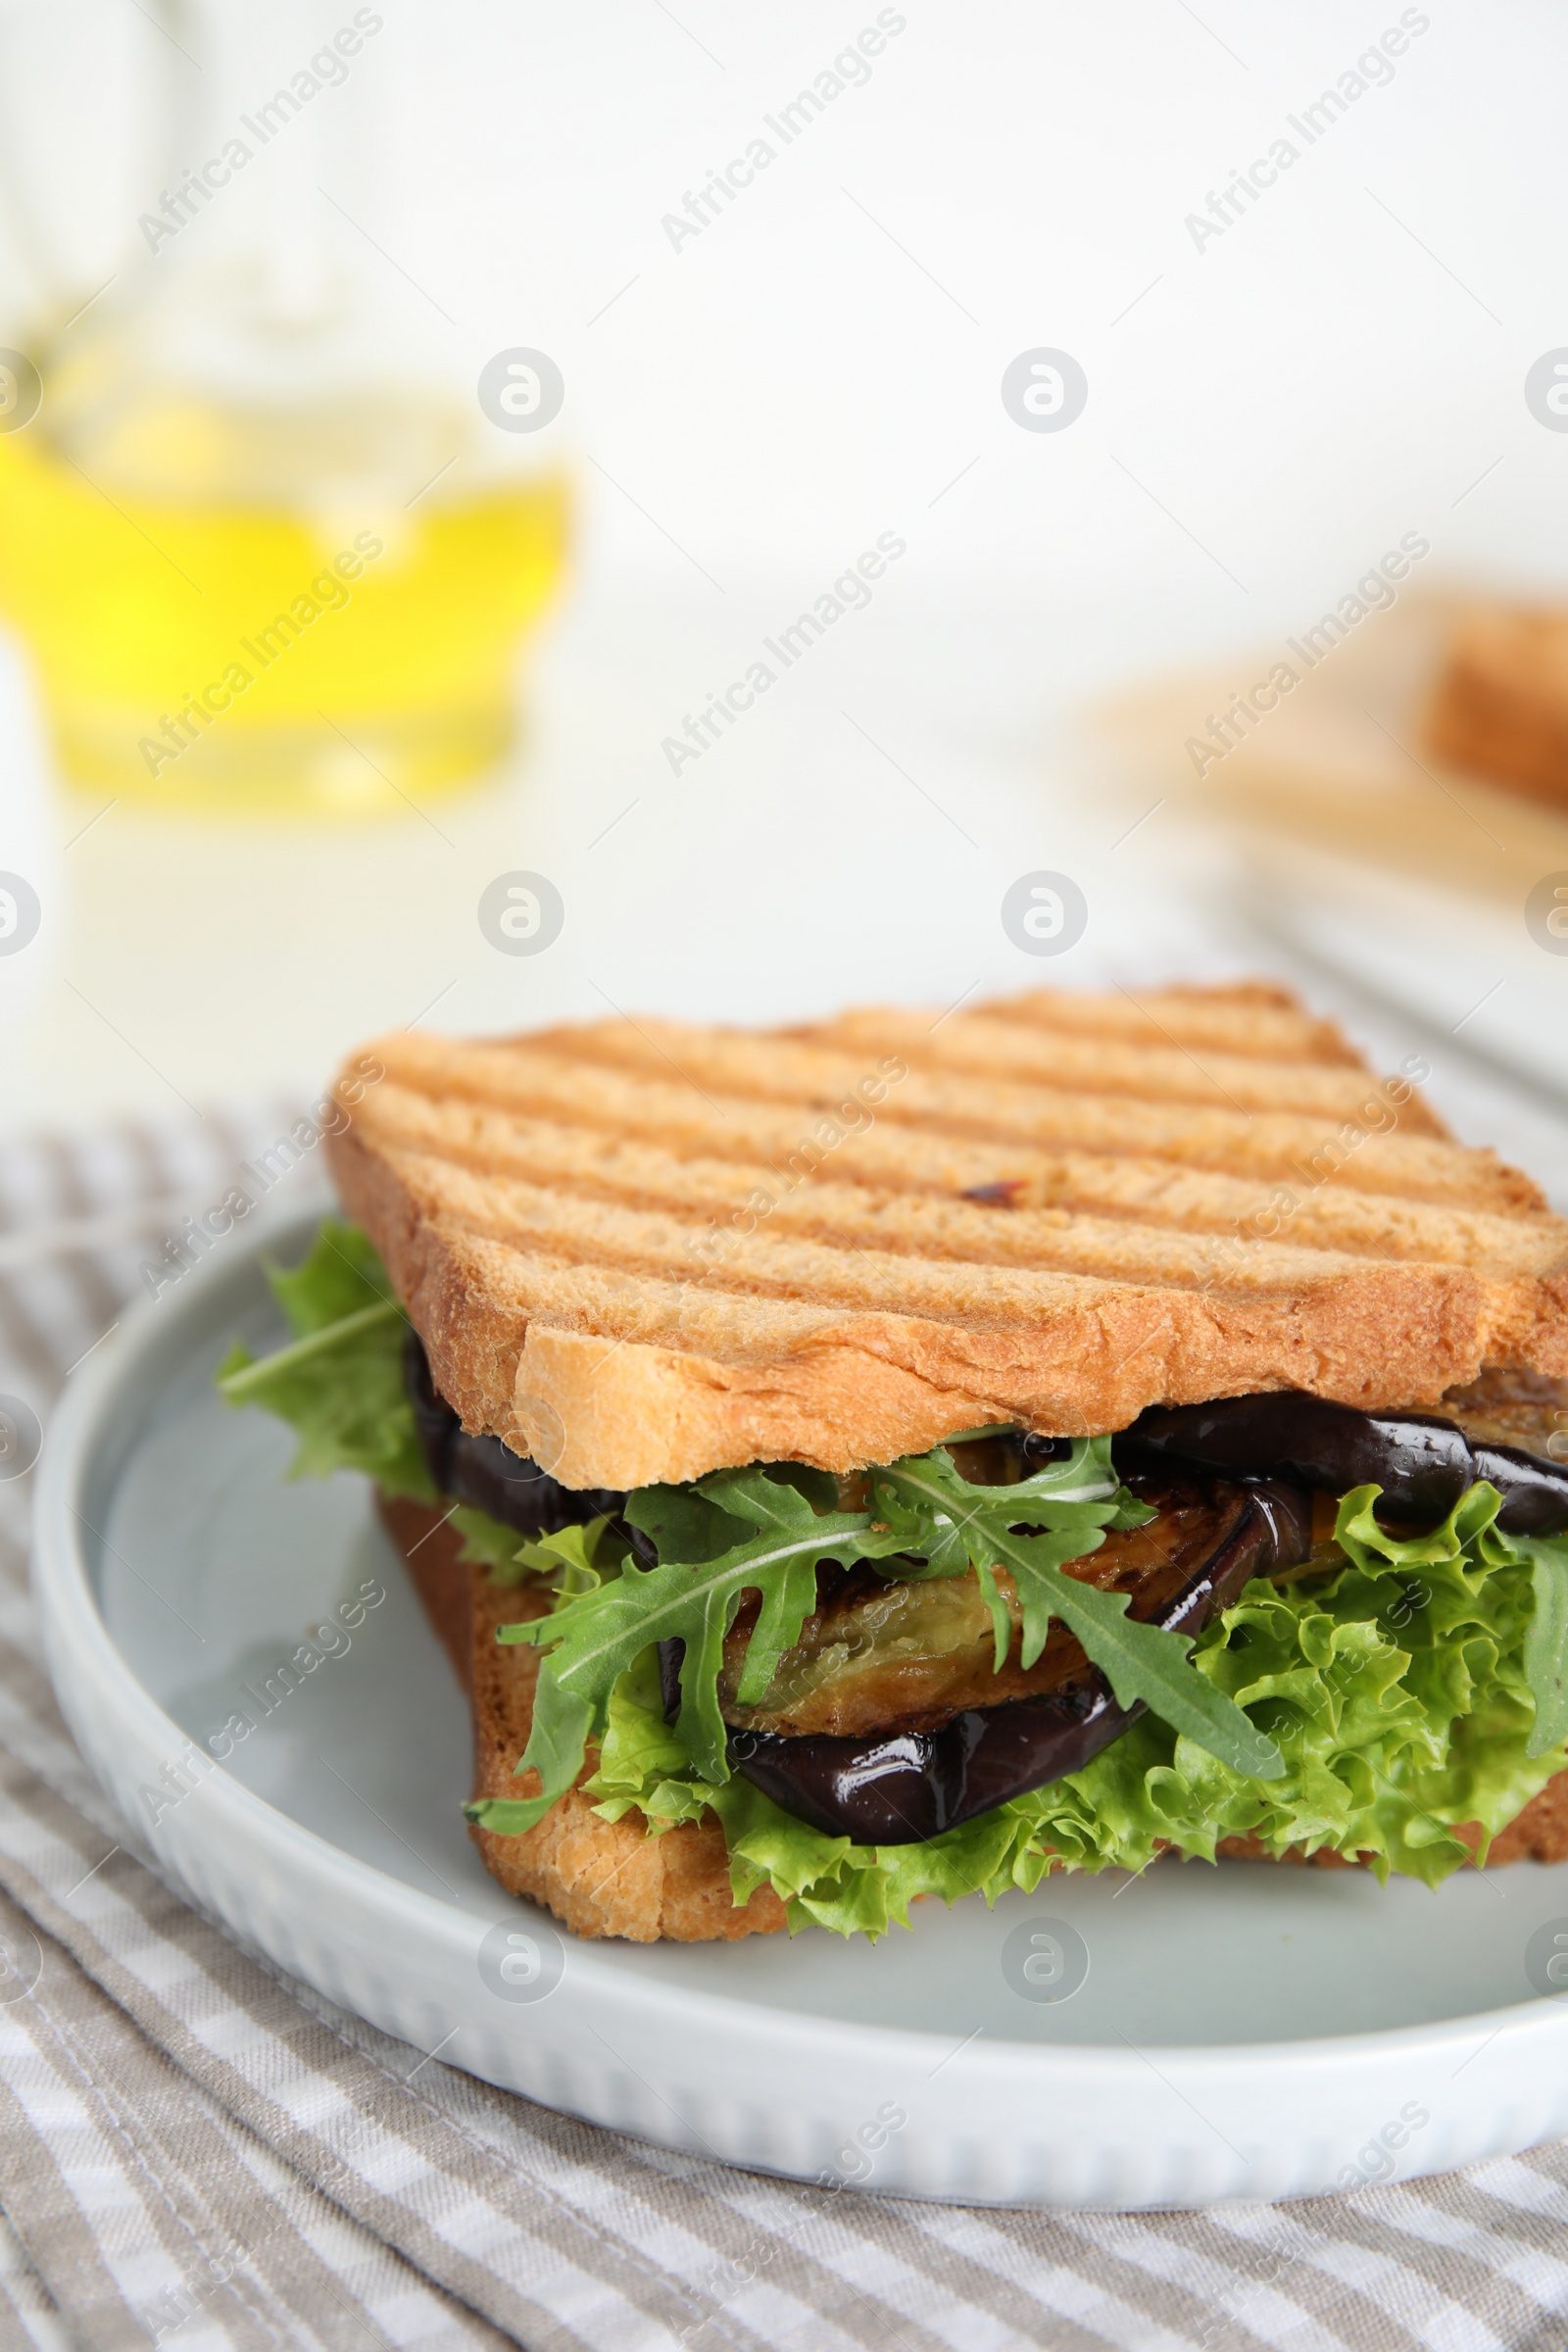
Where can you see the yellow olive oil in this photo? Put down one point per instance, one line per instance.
(269, 651)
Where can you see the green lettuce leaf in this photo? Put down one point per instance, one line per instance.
(340, 1384)
(1547, 1648)
(1395, 1687)
(489, 1544)
(1471, 1528)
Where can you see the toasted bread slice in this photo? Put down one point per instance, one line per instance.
(604, 1878)
(1500, 708)
(600, 1877)
(1256, 1017)
(643, 1252)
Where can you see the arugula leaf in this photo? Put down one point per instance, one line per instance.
(683, 1523)
(780, 1512)
(1075, 1506)
(940, 1514)
(594, 1638)
(935, 1520)
(936, 1510)
(558, 1742)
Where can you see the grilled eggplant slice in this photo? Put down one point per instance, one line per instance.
(925, 1736)
(1423, 1462)
(486, 1475)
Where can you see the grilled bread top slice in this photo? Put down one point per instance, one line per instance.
(645, 1250)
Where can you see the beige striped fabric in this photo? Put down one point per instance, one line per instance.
(195, 2152)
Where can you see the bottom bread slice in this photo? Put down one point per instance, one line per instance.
(599, 1877)
(603, 1878)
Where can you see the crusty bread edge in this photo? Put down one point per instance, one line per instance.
(868, 1386)
(599, 1878)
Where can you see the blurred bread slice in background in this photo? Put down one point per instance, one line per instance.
(1383, 796)
(1500, 704)
(1359, 754)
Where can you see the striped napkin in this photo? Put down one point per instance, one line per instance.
(194, 2149)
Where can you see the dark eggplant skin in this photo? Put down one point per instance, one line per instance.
(911, 1786)
(486, 1475)
(1422, 1461)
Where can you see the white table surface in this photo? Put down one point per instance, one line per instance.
(1266, 412)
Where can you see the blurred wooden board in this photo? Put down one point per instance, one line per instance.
(1340, 761)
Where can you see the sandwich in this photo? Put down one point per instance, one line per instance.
(911, 1455)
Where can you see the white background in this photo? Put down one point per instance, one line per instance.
(821, 365)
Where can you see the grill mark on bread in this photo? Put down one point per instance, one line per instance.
(562, 1216)
(734, 1098)
(1251, 1018)
(980, 1047)
(936, 1263)
(1122, 1219)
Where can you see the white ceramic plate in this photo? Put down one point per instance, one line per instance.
(1245, 2033)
